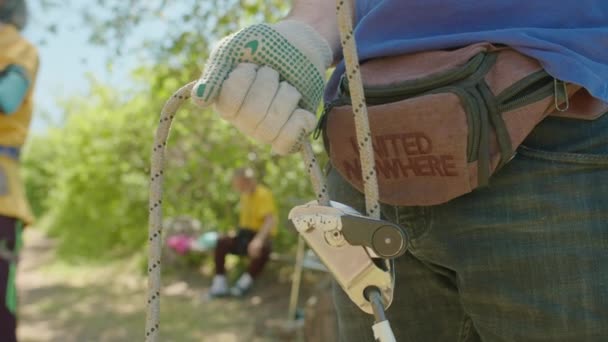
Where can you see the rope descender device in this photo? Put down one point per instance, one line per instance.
(356, 249)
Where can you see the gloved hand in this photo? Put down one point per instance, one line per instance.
(268, 80)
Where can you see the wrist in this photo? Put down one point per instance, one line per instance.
(321, 15)
(309, 41)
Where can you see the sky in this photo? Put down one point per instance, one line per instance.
(67, 61)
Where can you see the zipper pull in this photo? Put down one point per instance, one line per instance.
(322, 120)
(560, 94)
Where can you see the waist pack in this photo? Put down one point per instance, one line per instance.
(443, 122)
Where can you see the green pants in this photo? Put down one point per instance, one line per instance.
(10, 243)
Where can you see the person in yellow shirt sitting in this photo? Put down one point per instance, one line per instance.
(18, 68)
(257, 226)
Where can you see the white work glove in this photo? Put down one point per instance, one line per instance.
(268, 80)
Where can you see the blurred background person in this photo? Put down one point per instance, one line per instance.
(257, 226)
(18, 68)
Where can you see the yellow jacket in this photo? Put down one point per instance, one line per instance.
(15, 50)
(255, 207)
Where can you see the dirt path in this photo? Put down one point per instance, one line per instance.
(60, 302)
(32, 283)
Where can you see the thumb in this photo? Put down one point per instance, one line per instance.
(264, 45)
(216, 70)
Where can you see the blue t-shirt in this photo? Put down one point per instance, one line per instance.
(569, 38)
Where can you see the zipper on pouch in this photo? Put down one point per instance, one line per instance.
(530, 89)
(376, 95)
(410, 88)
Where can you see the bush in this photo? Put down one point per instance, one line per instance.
(89, 177)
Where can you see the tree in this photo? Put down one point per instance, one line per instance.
(89, 177)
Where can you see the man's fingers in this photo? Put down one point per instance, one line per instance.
(298, 127)
(284, 104)
(257, 101)
(208, 86)
(234, 90)
(254, 101)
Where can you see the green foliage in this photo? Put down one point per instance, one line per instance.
(90, 176)
(91, 170)
(187, 26)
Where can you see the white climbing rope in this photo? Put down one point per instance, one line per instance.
(355, 87)
(344, 10)
(155, 210)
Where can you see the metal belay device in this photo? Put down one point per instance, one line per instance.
(356, 249)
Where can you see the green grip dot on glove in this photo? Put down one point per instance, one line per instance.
(262, 45)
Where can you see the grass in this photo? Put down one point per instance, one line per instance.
(105, 302)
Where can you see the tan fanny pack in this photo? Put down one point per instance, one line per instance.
(443, 122)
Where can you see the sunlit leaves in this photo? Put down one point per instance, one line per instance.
(89, 176)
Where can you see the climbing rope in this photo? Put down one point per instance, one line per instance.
(155, 209)
(344, 10)
(156, 192)
(355, 87)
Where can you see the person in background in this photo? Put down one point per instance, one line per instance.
(18, 68)
(257, 226)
